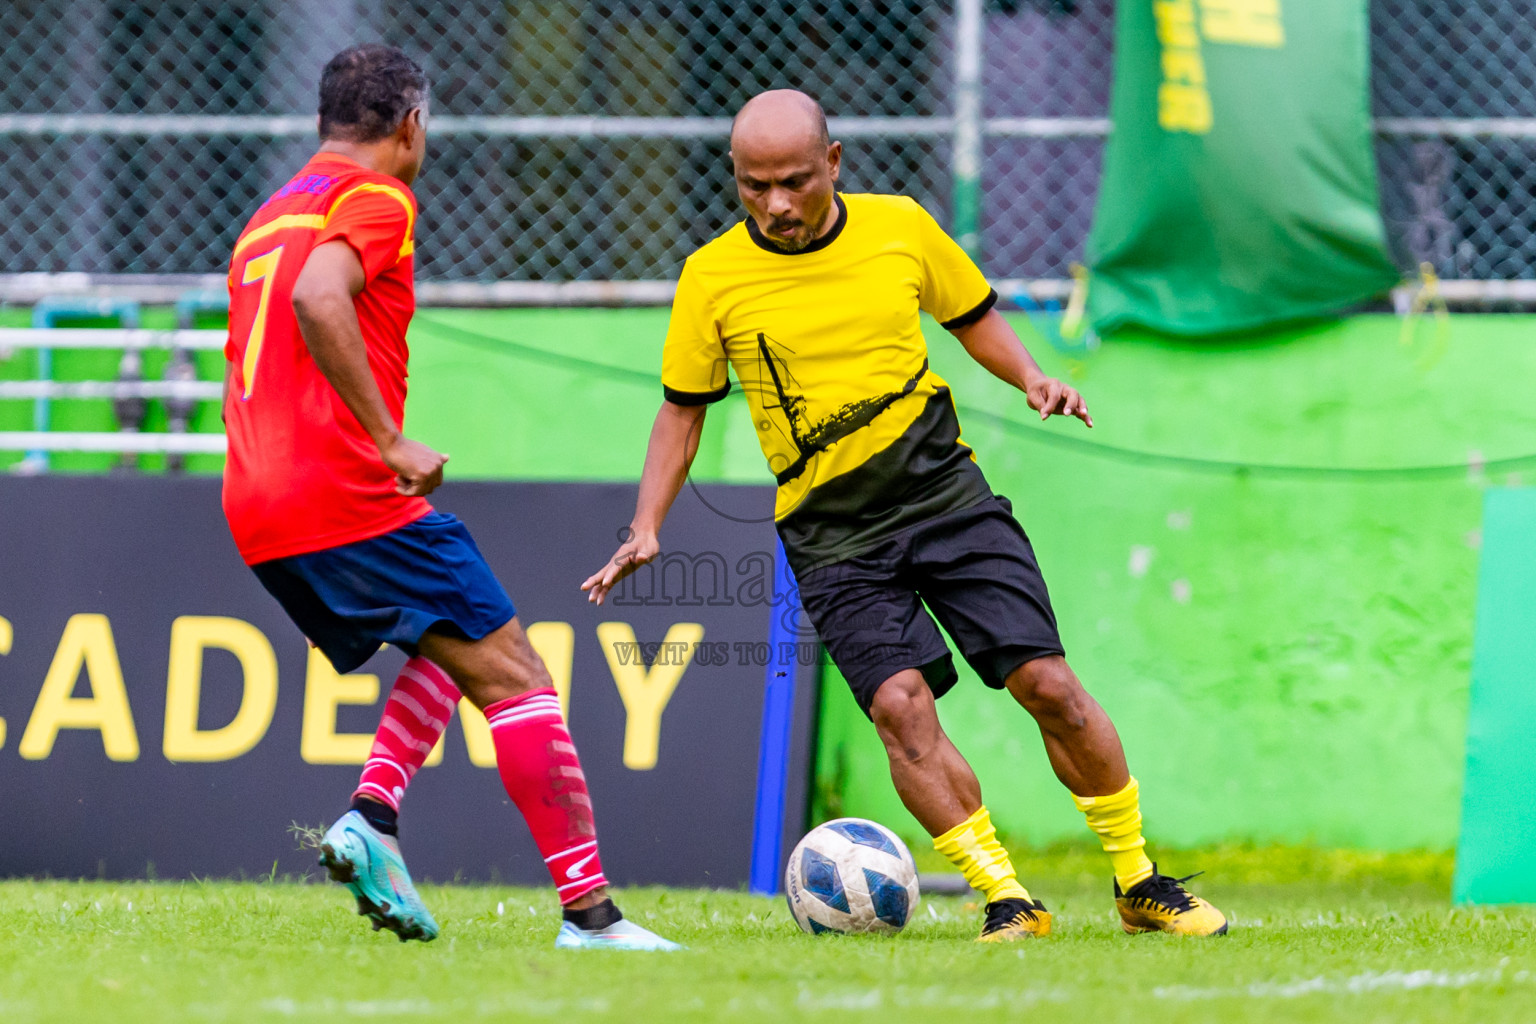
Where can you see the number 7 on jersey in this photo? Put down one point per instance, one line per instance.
(261, 268)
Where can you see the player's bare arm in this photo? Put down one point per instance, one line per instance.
(229, 376)
(322, 300)
(992, 342)
(668, 456)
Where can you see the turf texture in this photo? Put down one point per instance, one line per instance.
(1316, 936)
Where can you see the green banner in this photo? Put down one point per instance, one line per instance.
(1239, 184)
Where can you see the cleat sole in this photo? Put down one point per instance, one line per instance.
(342, 870)
(1135, 930)
(339, 868)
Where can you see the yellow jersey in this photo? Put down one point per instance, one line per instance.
(827, 344)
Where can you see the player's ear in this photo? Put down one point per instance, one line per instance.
(413, 125)
(835, 159)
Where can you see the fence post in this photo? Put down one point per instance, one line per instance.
(966, 159)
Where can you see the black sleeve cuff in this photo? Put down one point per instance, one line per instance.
(966, 319)
(696, 397)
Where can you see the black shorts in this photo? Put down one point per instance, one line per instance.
(973, 569)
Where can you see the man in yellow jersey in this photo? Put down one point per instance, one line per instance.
(884, 514)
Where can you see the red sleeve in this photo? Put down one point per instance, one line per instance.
(377, 221)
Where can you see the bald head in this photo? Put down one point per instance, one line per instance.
(780, 117)
(786, 167)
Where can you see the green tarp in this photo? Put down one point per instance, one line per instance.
(1239, 184)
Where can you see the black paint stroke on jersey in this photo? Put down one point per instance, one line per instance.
(812, 438)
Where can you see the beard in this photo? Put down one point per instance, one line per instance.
(793, 243)
(806, 230)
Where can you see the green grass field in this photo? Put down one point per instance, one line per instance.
(1316, 936)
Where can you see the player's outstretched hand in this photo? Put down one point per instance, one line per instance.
(418, 469)
(639, 549)
(1050, 397)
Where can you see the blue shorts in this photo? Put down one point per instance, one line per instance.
(349, 600)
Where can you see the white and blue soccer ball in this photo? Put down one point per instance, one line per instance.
(851, 875)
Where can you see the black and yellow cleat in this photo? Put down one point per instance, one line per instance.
(1012, 919)
(1162, 904)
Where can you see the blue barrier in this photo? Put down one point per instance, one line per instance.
(773, 756)
(48, 313)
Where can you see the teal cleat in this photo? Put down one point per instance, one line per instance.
(369, 864)
(621, 934)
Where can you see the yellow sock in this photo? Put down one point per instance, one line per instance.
(1116, 819)
(972, 847)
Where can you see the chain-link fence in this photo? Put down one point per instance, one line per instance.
(586, 140)
(1459, 198)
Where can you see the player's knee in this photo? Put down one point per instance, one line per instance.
(519, 671)
(902, 710)
(515, 663)
(1048, 688)
(502, 673)
(533, 671)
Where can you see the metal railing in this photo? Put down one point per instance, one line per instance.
(584, 140)
(179, 389)
(580, 147)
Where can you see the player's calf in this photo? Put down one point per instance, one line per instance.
(498, 667)
(419, 706)
(504, 676)
(542, 774)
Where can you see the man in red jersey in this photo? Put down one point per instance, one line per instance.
(326, 497)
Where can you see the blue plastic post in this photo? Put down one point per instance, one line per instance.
(198, 301)
(47, 313)
(773, 746)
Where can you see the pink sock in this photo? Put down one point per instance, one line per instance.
(417, 712)
(543, 776)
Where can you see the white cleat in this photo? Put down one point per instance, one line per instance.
(622, 934)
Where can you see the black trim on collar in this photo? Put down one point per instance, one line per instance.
(966, 319)
(819, 244)
(696, 397)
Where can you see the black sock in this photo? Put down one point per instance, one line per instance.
(382, 817)
(595, 918)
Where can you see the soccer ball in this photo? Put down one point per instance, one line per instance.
(851, 875)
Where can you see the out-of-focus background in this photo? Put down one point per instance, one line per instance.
(1286, 250)
(1265, 555)
(139, 136)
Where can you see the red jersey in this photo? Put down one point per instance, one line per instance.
(302, 474)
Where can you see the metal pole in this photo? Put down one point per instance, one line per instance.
(967, 138)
